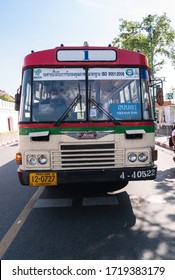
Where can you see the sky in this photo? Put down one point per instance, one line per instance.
(27, 25)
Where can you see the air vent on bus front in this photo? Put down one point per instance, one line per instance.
(86, 156)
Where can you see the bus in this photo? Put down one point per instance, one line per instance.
(103, 132)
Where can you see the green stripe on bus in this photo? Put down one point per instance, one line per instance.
(56, 131)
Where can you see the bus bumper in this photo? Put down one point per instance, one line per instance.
(98, 175)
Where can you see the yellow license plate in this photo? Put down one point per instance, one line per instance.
(43, 179)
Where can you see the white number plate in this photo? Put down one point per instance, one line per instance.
(138, 174)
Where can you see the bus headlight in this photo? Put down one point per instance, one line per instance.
(142, 157)
(132, 157)
(32, 160)
(42, 159)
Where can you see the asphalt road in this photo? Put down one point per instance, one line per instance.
(84, 222)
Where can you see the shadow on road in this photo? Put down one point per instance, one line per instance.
(127, 229)
(76, 232)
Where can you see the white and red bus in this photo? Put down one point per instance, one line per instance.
(103, 131)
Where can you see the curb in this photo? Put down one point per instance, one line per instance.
(164, 145)
(9, 143)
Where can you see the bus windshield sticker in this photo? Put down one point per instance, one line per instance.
(113, 73)
(49, 74)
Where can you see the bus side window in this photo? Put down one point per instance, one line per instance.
(135, 96)
(27, 103)
(147, 107)
(35, 111)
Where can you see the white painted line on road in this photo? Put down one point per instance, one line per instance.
(67, 202)
(12, 232)
(100, 201)
(47, 203)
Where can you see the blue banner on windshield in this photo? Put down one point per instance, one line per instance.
(125, 111)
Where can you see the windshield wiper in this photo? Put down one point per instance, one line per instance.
(102, 110)
(74, 102)
(79, 94)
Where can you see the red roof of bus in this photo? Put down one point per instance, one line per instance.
(47, 58)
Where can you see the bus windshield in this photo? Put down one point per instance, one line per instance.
(80, 94)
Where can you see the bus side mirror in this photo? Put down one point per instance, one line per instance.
(158, 85)
(17, 99)
(159, 96)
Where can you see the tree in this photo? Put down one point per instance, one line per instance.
(153, 36)
(7, 97)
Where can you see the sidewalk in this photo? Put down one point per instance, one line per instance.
(7, 138)
(163, 141)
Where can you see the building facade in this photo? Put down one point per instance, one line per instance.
(165, 118)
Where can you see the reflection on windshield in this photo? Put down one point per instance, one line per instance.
(63, 95)
(119, 99)
(67, 103)
(69, 109)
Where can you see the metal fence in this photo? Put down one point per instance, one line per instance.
(163, 130)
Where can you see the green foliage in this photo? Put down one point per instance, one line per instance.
(7, 97)
(154, 37)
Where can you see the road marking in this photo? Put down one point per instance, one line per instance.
(60, 202)
(67, 202)
(12, 232)
(100, 201)
(35, 202)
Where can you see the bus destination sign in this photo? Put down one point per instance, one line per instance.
(86, 55)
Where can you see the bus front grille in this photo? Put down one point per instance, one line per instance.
(87, 156)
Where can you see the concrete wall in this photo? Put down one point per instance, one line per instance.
(8, 123)
(165, 120)
(166, 115)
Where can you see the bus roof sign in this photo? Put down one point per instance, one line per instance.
(86, 55)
